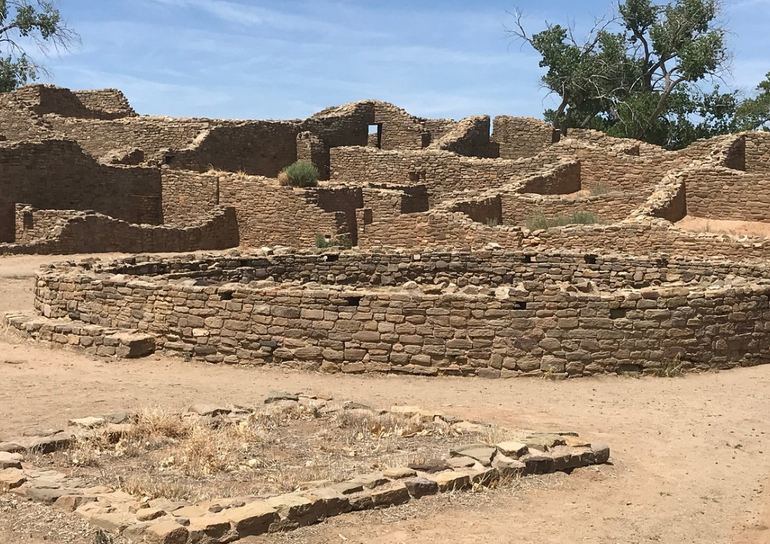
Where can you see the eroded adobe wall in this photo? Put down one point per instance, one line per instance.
(522, 137)
(541, 328)
(346, 125)
(70, 231)
(268, 213)
(152, 135)
(56, 174)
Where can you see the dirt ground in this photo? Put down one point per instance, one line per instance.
(691, 455)
(720, 226)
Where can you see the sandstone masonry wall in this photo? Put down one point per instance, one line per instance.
(101, 104)
(757, 151)
(261, 148)
(518, 209)
(538, 328)
(56, 174)
(153, 135)
(722, 193)
(186, 195)
(441, 172)
(70, 231)
(269, 214)
(469, 137)
(522, 137)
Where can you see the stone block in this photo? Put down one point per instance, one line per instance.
(252, 519)
(166, 532)
(451, 480)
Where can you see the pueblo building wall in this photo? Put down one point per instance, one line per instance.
(72, 231)
(267, 213)
(443, 173)
(19, 122)
(522, 137)
(98, 104)
(153, 135)
(723, 193)
(529, 325)
(56, 174)
(757, 151)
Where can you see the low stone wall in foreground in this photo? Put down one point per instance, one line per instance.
(543, 318)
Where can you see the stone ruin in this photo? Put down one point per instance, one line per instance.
(220, 520)
(448, 273)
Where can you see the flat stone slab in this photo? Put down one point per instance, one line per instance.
(10, 460)
(133, 345)
(420, 487)
(451, 480)
(12, 447)
(482, 454)
(512, 448)
(11, 478)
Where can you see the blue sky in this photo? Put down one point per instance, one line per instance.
(285, 59)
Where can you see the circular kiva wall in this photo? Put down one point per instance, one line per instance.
(488, 314)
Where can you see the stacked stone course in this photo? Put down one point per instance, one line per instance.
(510, 314)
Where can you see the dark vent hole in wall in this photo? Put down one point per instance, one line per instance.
(526, 259)
(590, 259)
(618, 313)
(332, 258)
(354, 301)
(520, 305)
(226, 295)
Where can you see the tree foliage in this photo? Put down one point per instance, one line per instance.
(25, 24)
(640, 73)
(754, 113)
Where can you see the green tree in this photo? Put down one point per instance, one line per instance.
(638, 73)
(754, 113)
(25, 24)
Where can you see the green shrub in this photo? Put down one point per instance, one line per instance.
(300, 174)
(342, 241)
(539, 221)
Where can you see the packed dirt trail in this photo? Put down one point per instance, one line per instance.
(691, 455)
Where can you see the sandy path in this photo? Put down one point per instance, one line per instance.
(692, 455)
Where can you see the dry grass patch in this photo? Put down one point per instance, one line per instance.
(276, 449)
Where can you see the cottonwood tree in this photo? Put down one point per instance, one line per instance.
(26, 24)
(754, 113)
(638, 73)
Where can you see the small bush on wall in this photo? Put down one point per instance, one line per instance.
(299, 174)
(342, 241)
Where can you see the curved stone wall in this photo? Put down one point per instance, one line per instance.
(504, 314)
